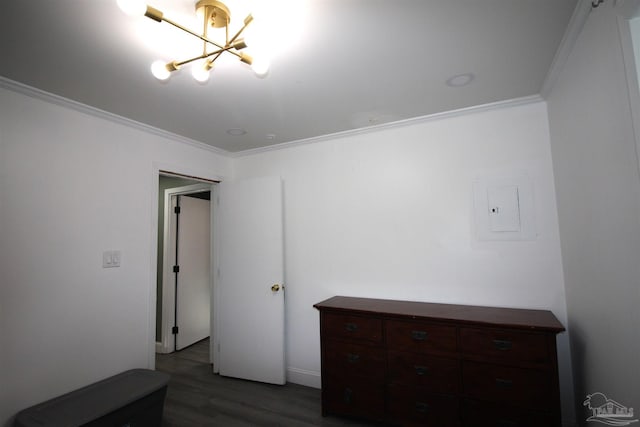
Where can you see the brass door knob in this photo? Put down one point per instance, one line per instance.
(275, 288)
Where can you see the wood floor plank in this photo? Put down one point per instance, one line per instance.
(198, 398)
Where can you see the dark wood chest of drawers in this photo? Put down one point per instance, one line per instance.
(412, 363)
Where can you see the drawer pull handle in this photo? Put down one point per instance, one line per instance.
(502, 344)
(502, 383)
(350, 327)
(353, 358)
(421, 370)
(419, 335)
(422, 407)
(347, 395)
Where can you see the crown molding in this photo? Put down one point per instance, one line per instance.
(32, 92)
(51, 98)
(576, 24)
(393, 125)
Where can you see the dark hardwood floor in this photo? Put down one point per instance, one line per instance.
(197, 398)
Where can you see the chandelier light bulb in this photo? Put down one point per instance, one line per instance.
(260, 67)
(160, 71)
(133, 7)
(200, 74)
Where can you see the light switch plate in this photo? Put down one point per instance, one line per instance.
(111, 259)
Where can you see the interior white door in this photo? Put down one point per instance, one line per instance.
(250, 260)
(193, 292)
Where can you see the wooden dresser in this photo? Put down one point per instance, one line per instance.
(413, 363)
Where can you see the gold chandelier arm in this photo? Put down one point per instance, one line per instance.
(193, 33)
(207, 55)
(206, 39)
(205, 33)
(218, 53)
(247, 21)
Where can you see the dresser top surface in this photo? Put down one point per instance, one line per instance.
(542, 320)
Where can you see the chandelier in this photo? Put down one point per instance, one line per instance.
(213, 14)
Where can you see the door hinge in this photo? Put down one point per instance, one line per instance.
(174, 330)
(176, 210)
(176, 269)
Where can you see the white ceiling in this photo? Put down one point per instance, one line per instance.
(352, 64)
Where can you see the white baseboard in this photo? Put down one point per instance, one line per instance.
(159, 347)
(304, 377)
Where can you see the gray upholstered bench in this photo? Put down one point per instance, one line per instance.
(133, 398)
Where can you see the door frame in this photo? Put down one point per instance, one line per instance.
(171, 169)
(626, 11)
(168, 290)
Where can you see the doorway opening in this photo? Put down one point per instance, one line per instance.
(183, 276)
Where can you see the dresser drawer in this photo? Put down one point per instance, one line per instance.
(345, 359)
(481, 414)
(352, 328)
(433, 373)
(504, 384)
(413, 406)
(353, 397)
(504, 345)
(420, 337)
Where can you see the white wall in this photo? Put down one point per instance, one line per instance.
(387, 214)
(598, 188)
(71, 186)
(382, 214)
